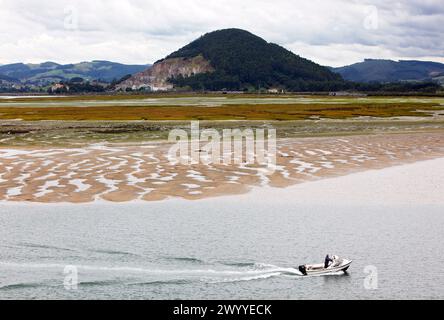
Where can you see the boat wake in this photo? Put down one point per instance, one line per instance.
(214, 274)
(255, 271)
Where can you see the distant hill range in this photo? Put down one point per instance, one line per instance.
(234, 59)
(374, 70)
(49, 72)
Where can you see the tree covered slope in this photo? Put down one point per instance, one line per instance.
(242, 60)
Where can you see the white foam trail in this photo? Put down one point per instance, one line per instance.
(272, 270)
(228, 280)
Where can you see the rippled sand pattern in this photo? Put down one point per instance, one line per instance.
(125, 173)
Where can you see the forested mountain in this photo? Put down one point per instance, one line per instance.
(49, 72)
(234, 59)
(374, 70)
(242, 60)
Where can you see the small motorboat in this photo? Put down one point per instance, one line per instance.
(337, 265)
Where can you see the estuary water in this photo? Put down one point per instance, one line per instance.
(237, 247)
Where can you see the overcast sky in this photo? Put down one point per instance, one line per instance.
(329, 32)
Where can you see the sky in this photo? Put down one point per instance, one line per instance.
(329, 32)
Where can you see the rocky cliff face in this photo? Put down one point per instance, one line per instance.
(156, 77)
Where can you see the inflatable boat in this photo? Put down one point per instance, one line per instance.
(335, 266)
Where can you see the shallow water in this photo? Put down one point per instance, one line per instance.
(223, 248)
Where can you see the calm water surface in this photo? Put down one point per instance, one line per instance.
(224, 248)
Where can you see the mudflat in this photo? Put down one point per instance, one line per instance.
(81, 149)
(144, 171)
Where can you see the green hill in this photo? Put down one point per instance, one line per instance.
(244, 61)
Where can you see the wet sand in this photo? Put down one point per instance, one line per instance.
(143, 172)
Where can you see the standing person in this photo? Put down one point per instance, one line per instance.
(327, 261)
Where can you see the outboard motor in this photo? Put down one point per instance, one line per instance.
(303, 270)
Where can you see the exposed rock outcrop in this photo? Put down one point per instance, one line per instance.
(156, 78)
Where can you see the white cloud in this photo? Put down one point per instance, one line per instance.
(331, 32)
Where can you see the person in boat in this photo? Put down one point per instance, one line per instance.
(327, 261)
